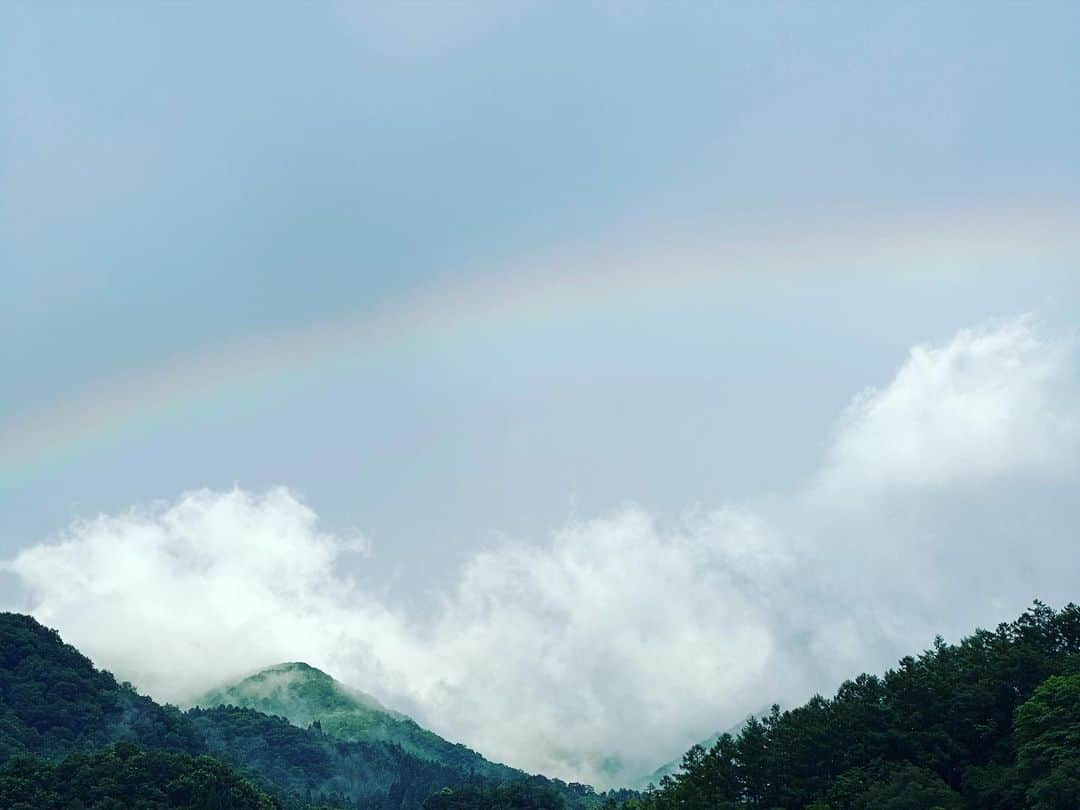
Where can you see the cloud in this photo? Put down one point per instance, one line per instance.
(607, 648)
(993, 401)
(174, 595)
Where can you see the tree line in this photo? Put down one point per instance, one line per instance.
(992, 722)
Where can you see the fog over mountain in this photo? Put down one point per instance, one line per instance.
(604, 649)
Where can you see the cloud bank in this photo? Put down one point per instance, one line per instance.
(944, 499)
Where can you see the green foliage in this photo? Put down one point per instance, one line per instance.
(304, 762)
(521, 795)
(949, 728)
(54, 702)
(1048, 744)
(347, 744)
(672, 768)
(123, 776)
(908, 787)
(992, 722)
(304, 696)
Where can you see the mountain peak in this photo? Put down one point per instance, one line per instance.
(299, 666)
(303, 694)
(296, 691)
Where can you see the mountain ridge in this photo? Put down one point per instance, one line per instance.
(307, 696)
(59, 714)
(989, 722)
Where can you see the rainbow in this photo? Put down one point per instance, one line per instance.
(571, 286)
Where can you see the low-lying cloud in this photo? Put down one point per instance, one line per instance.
(595, 655)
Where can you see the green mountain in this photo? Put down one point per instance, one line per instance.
(990, 722)
(57, 709)
(72, 736)
(53, 702)
(306, 696)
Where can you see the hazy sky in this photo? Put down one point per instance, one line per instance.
(706, 353)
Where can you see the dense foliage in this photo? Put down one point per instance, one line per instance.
(124, 776)
(54, 702)
(318, 767)
(521, 795)
(992, 722)
(530, 793)
(1047, 734)
(356, 749)
(59, 716)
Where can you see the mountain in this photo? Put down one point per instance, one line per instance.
(304, 696)
(990, 722)
(309, 765)
(72, 736)
(53, 702)
(57, 708)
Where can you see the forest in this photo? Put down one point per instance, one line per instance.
(60, 716)
(990, 722)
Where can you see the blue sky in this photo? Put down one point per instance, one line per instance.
(620, 253)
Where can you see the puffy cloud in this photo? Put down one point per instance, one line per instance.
(175, 595)
(618, 635)
(610, 646)
(995, 400)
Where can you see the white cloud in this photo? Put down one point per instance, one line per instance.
(619, 640)
(995, 400)
(175, 595)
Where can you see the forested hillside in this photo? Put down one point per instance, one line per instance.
(53, 701)
(70, 735)
(125, 776)
(307, 696)
(309, 764)
(992, 722)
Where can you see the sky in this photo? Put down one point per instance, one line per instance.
(616, 368)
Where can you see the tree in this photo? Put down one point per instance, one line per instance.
(909, 787)
(936, 731)
(1047, 735)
